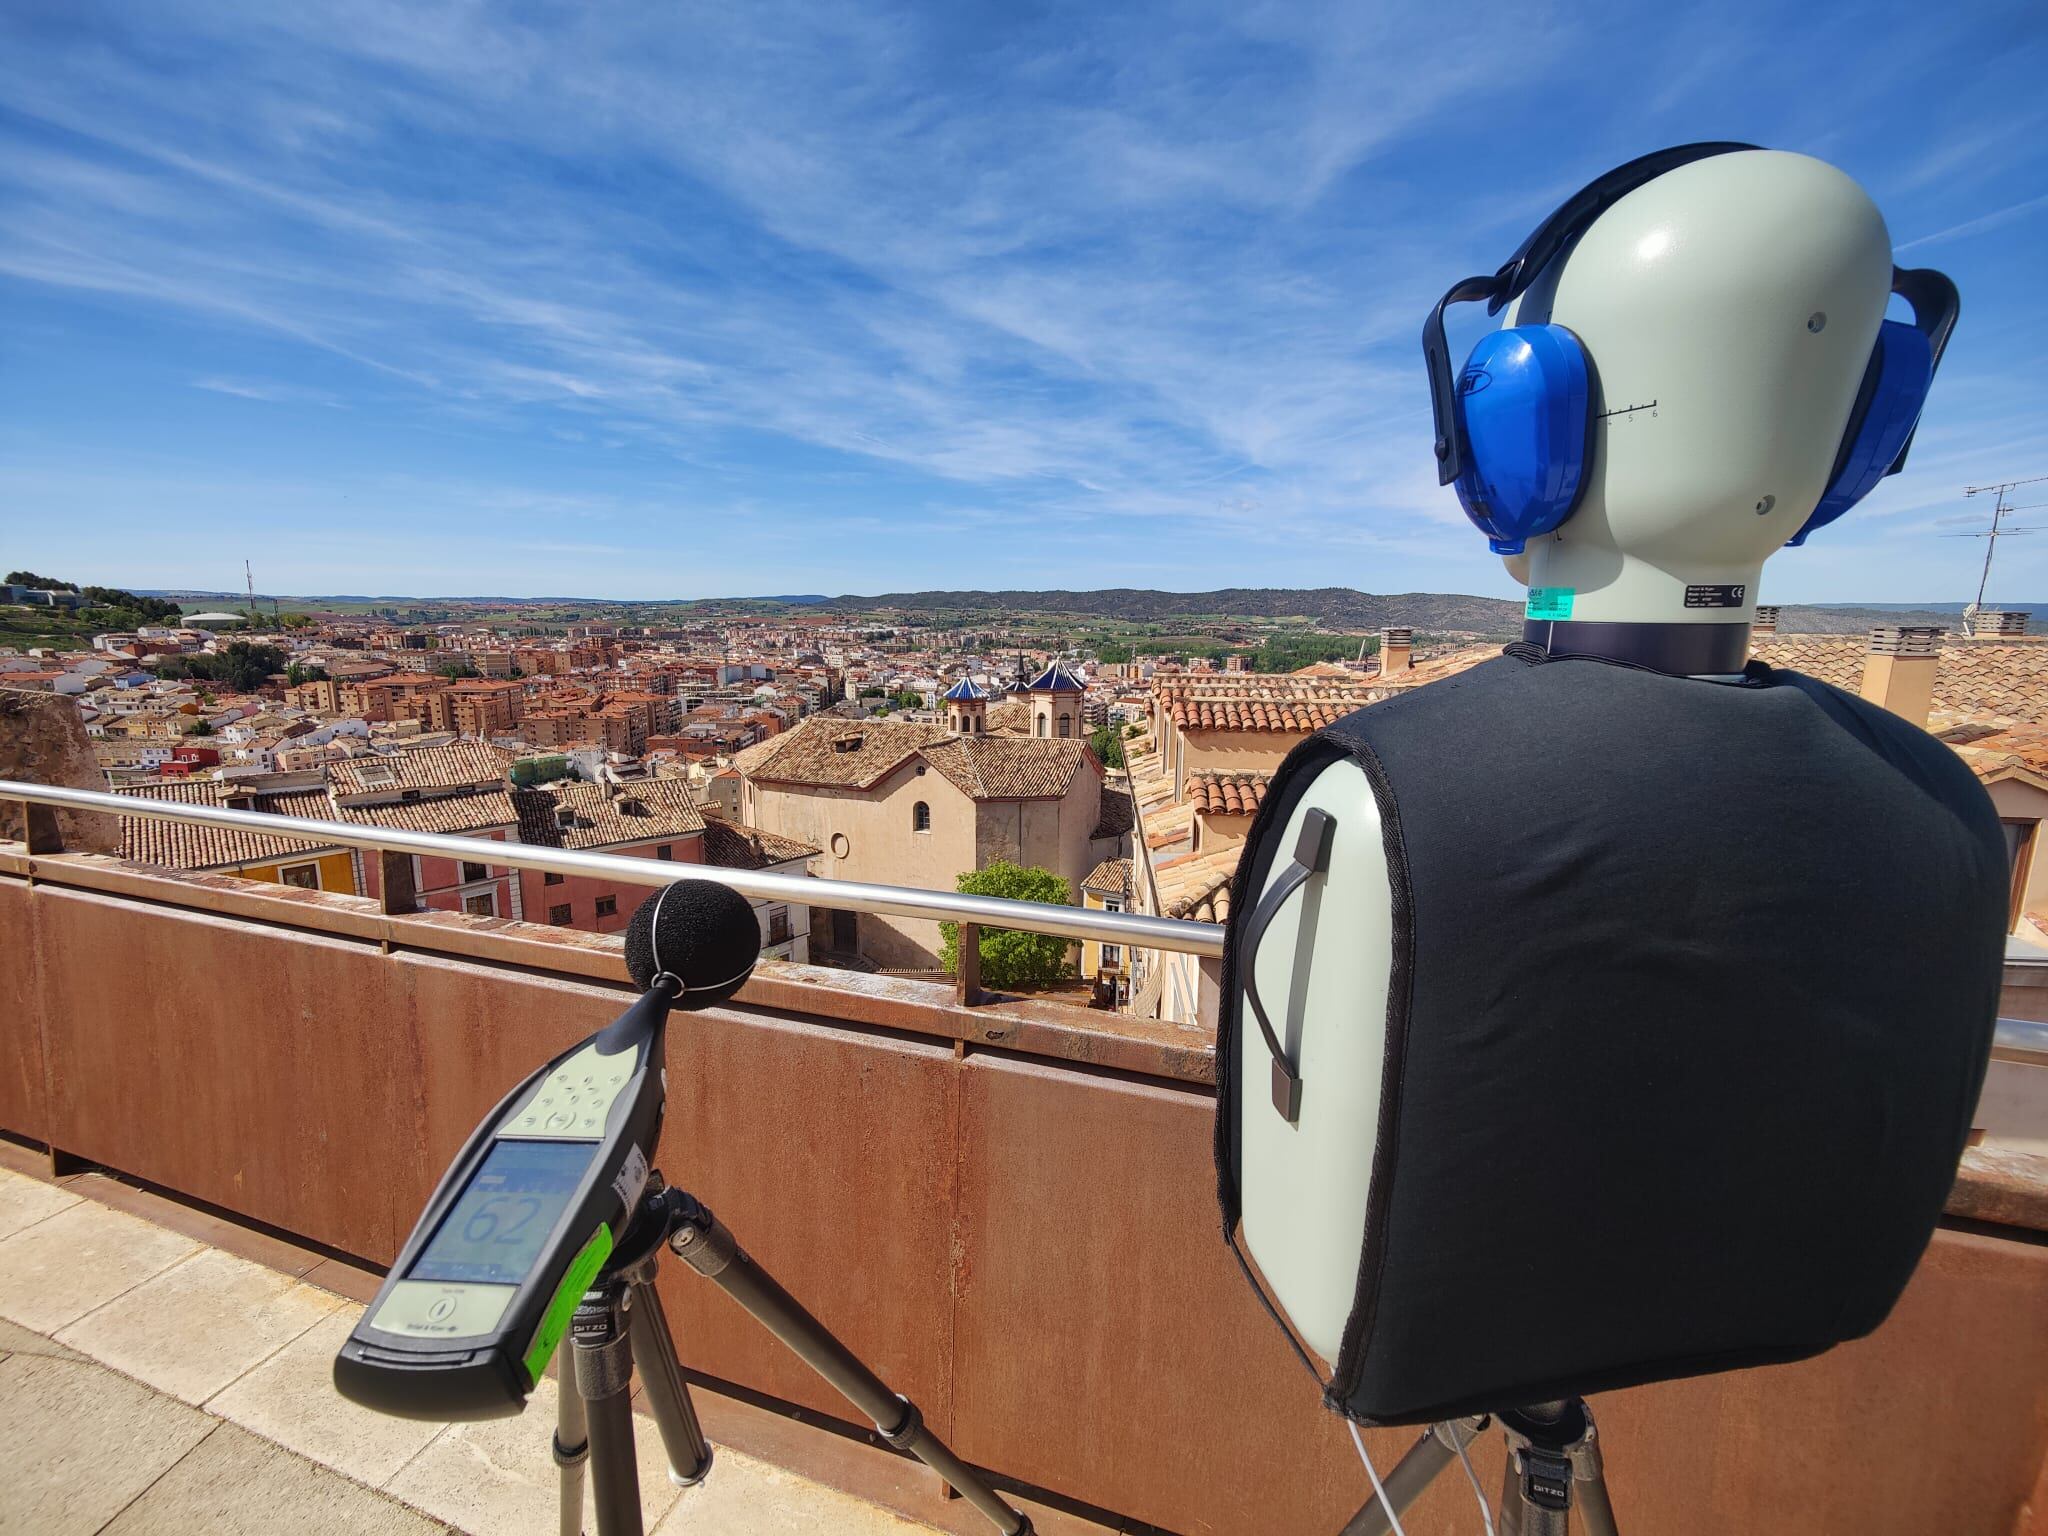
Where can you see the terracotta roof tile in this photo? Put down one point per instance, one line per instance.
(1302, 715)
(458, 764)
(453, 814)
(598, 818)
(1227, 794)
(1119, 814)
(733, 845)
(1112, 877)
(828, 752)
(1199, 887)
(1008, 767)
(189, 845)
(2002, 681)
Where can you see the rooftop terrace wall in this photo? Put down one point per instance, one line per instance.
(1008, 1210)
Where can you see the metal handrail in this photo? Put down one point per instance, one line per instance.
(1131, 928)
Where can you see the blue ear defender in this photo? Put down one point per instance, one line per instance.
(1514, 427)
(1894, 390)
(1525, 406)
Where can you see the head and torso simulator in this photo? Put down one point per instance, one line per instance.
(1615, 1010)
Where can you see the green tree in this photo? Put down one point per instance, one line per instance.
(154, 610)
(305, 672)
(40, 583)
(458, 669)
(1112, 652)
(1009, 958)
(907, 700)
(201, 728)
(241, 664)
(1108, 747)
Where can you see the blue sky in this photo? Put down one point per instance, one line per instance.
(641, 299)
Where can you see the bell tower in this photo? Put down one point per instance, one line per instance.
(966, 708)
(1056, 697)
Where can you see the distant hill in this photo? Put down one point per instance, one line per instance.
(1338, 608)
(1342, 609)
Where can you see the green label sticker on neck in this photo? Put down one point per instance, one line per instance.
(1549, 603)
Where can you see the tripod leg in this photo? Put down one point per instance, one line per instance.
(1553, 1463)
(1413, 1473)
(1589, 1484)
(654, 1347)
(572, 1450)
(604, 1380)
(704, 1243)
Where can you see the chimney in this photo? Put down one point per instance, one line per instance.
(1397, 649)
(2001, 623)
(1765, 626)
(1898, 673)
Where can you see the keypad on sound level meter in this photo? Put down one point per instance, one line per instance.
(574, 1099)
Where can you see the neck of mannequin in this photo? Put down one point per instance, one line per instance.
(1688, 618)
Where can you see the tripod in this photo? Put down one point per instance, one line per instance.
(1553, 1457)
(620, 1320)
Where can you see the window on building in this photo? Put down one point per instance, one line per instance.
(559, 916)
(1112, 956)
(665, 851)
(551, 878)
(305, 876)
(471, 872)
(2020, 837)
(607, 906)
(1039, 723)
(484, 904)
(1066, 725)
(778, 925)
(1112, 903)
(920, 817)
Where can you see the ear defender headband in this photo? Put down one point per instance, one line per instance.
(1514, 427)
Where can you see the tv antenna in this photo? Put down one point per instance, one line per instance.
(249, 581)
(1999, 512)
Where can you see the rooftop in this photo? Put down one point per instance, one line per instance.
(1056, 678)
(1228, 794)
(566, 814)
(828, 752)
(1995, 680)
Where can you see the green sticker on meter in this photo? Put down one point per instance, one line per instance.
(555, 1322)
(1549, 603)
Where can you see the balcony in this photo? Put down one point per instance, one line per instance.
(1008, 1209)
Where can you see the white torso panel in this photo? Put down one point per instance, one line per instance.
(1305, 1185)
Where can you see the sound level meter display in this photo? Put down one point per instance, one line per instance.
(497, 1229)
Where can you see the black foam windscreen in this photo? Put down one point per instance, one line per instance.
(704, 934)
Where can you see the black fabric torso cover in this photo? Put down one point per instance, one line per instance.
(1694, 990)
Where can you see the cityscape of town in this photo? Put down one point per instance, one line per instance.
(1054, 756)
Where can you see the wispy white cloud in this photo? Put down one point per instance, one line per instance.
(818, 267)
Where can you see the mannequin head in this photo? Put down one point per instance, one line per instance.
(1726, 315)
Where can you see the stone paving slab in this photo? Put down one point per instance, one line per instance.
(99, 1439)
(58, 1269)
(290, 1398)
(238, 1484)
(500, 1475)
(82, 1442)
(200, 1325)
(24, 1202)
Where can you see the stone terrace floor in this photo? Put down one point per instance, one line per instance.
(151, 1381)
